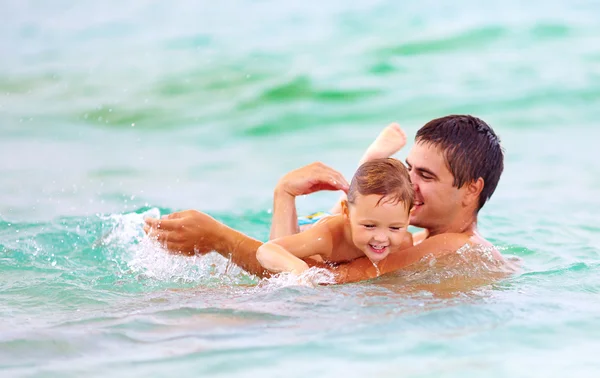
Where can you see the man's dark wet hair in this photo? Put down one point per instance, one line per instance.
(471, 149)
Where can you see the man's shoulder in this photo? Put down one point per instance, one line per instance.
(450, 240)
(454, 241)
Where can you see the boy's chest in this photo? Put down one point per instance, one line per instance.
(345, 252)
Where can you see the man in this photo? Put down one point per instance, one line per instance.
(455, 166)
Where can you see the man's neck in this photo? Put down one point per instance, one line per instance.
(461, 225)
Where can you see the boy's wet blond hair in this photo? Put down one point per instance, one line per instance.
(386, 177)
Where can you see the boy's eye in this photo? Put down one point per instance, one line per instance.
(395, 228)
(369, 225)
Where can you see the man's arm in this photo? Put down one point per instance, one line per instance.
(308, 179)
(190, 232)
(362, 269)
(285, 217)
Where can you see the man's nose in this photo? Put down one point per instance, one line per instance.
(413, 180)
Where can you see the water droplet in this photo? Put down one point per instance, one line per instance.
(376, 268)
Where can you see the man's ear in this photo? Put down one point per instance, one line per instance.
(473, 191)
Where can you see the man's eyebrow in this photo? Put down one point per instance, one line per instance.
(422, 170)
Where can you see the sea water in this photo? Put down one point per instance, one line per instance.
(110, 111)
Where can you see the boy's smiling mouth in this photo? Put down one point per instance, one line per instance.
(378, 248)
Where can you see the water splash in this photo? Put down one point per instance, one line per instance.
(145, 257)
(376, 268)
(469, 268)
(125, 228)
(312, 277)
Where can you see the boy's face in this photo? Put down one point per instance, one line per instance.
(437, 201)
(377, 229)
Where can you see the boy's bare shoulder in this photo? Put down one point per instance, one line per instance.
(334, 227)
(332, 222)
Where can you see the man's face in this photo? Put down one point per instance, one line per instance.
(437, 202)
(377, 229)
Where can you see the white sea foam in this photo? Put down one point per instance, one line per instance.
(310, 278)
(146, 257)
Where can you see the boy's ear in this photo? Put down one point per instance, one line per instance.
(345, 210)
(473, 191)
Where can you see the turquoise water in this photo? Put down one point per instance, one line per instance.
(112, 109)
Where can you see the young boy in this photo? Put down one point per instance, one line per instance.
(373, 222)
(389, 141)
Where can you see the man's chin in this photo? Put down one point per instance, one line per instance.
(416, 221)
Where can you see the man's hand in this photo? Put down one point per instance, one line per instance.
(308, 179)
(311, 178)
(186, 232)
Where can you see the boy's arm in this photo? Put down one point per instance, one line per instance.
(277, 259)
(285, 254)
(436, 246)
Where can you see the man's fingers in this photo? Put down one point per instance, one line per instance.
(175, 248)
(175, 215)
(164, 224)
(323, 186)
(334, 179)
(339, 182)
(151, 222)
(169, 236)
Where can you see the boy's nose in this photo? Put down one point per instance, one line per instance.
(380, 237)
